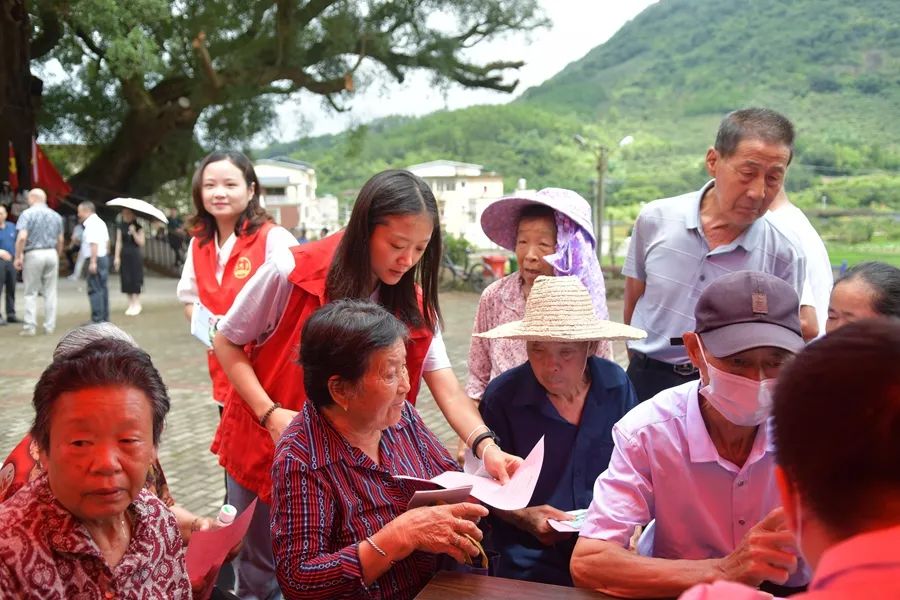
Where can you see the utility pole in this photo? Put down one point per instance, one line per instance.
(600, 192)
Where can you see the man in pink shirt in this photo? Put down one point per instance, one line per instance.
(837, 418)
(698, 459)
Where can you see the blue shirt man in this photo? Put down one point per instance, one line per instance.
(681, 245)
(7, 234)
(7, 270)
(569, 397)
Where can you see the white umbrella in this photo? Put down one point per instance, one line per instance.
(140, 206)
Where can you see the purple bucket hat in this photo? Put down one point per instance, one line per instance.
(500, 219)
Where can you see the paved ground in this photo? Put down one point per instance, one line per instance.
(194, 476)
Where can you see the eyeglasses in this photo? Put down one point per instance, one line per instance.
(749, 173)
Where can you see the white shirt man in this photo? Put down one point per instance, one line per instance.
(95, 248)
(819, 275)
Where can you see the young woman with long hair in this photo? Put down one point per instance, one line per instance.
(232, 237)
(389, 252)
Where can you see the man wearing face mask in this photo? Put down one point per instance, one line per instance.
(845, 517)
(699, 459)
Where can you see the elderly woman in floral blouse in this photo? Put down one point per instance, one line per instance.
(551, 233)
(86, 527)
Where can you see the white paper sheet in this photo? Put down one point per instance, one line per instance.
(514, 495)
(203, 324)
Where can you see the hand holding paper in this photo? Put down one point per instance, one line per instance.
(570, 525)
(514, 495)
(207, 551)
(203, 324)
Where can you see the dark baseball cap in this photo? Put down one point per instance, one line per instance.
(748, 309)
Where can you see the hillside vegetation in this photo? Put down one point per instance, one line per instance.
(666, 78)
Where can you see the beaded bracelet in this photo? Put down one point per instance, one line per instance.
(265, 417)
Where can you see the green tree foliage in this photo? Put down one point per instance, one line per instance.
(667, 78)
(149, 79)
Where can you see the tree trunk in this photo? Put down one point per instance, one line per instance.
(152, 145)
(16, 82)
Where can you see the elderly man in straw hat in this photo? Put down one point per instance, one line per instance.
(700, 460)
(571, 397)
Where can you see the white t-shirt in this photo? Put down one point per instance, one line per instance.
(95, 232)
(261, 303)
(819, 276)
(187, 290)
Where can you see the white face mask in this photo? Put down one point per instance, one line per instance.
(742, 401)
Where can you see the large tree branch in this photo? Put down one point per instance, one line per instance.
(85, 38)
(51, 31)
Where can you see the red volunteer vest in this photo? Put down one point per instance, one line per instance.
(248, 254)
(244, 447)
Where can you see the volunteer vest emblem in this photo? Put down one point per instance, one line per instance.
(242, 268)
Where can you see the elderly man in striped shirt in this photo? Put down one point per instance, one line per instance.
(682, 244)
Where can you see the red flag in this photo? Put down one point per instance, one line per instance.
(13, 171)
(48, 178)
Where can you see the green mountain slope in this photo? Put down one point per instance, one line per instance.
(666, 78)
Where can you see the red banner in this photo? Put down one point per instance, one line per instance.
(13, 170)
(45, 176)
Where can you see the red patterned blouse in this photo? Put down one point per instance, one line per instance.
(46, 554)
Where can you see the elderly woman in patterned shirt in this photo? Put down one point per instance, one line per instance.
(551, 233)
(340, 528)
(86, 527)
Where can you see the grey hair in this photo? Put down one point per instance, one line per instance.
(754, 124)
(38, 194)
(78, 338)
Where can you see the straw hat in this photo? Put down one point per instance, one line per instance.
(559, 309)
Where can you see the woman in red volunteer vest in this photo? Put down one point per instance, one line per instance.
(232, 237)
(390, 252)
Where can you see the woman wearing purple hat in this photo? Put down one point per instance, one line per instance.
(551, 233)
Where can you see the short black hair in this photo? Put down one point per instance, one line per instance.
(339, 340)
(105, 362)
(884, 279)
(754, 124)
(837, 424)
(536, 211)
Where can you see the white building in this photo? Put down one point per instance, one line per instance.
(462, 190)
(289, 194)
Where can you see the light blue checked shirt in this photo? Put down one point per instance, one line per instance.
(43, 224)
(669, 253)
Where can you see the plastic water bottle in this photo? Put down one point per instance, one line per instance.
(226, 515)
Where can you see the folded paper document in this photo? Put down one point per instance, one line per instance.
(514, 495)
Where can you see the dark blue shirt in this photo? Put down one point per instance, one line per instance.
(516, 407)
(8, 238)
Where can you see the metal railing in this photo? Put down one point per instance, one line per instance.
(159, 256)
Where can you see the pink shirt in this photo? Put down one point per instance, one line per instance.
(502, 302)
(666, 467)
(864, 566)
